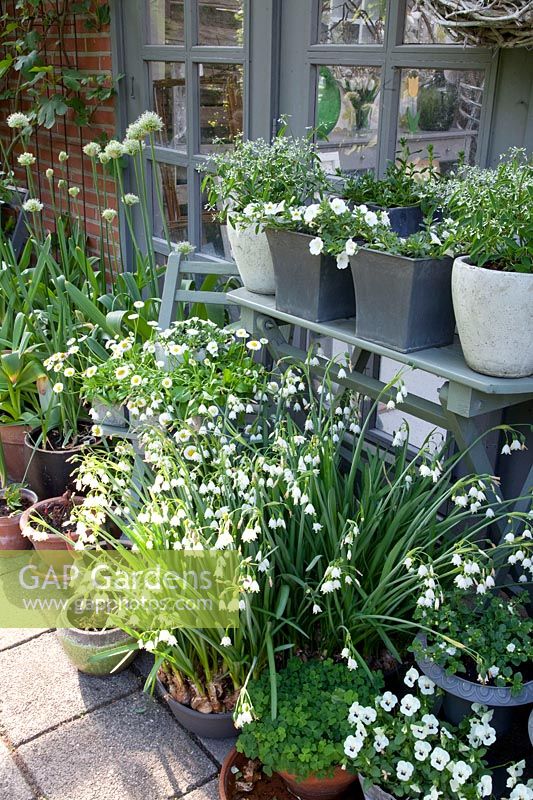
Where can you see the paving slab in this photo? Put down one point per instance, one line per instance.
(219, 748)
(12, 782)
(9, 637)
(129, 750)
(207, 792)
(41, 689)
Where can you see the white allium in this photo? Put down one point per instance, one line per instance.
(26, 159)
(33, 206)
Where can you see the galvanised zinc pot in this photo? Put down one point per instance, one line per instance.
(212, 726)
(82, 647)
(404, 220)
(494, 312)
(11, 537)
(252, 256)
(308, 286)
(313, 788)
(403, 303)
(374, 792)
(460, 693)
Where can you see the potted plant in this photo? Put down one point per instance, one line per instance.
(400, 749)
(91, 646)
(287, 170)
(477, 644)
(403, 289)
(310, 247)
(400, 192)
(492, 282)
(48, 525)
(303, 741)
(20, 371)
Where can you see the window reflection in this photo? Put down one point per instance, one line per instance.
(347, 116)
(165, 22)
(220, 23)
(170, 102)
(442, 108)
(221, 104)
(421, 27)
(352, 21)
(174, 190)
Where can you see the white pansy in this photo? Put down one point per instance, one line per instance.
(409, 705)
(439, 758)
(404, 770)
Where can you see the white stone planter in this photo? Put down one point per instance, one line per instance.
(252, 256)
(374, 792)
(494, 314)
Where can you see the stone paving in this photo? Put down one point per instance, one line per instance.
(68, 736)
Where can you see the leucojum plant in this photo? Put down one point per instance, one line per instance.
(268, 479)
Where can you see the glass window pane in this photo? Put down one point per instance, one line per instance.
(347, 116)
(421, 27)
(165, 22)
(220, 23)
(352, 21)
(175, 203)
(214, 235)
(169, 101)
(441, 108)
(221, 105)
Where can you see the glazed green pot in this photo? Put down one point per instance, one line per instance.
(82, 648)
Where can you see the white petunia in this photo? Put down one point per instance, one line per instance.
(316, 246)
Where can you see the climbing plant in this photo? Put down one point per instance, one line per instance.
(37, 69)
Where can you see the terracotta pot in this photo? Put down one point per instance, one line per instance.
(11, 537)
(12, 438)
(225, 772)
(82, 647)
(53, 541)
(212, 726)
(320, 788)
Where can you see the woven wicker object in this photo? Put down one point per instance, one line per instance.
(488, 23)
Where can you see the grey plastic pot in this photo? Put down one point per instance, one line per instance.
(460, 694)
(404, 220)
(82, 648)
(308, 286)
(403, 303)
(212, 726)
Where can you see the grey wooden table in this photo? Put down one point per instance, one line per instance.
(465, 396)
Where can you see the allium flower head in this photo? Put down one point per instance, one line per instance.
(33, 206)
(26, 159)
(130, 199)
(18, 120)
(109, 214)
(92, 149)
(148, 123)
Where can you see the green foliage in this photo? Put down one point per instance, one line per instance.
(494, 636)
(494, 209)
(288, 169)
(307, 735)
(401, 185)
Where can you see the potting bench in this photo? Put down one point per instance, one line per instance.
(464, 397)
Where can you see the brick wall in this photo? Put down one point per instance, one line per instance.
(89, 51)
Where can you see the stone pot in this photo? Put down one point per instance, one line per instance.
(82, 646)
(460, 694)
(313, 788)
(530, 727)
(11, 537)
(53, 541)
(252, 256)
(403, 303)
(212, 726)
(12, 438)
(308, 286)
(494, 312)
(49, 472)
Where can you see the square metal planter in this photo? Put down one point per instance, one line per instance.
(308, 286)
(403, 303)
